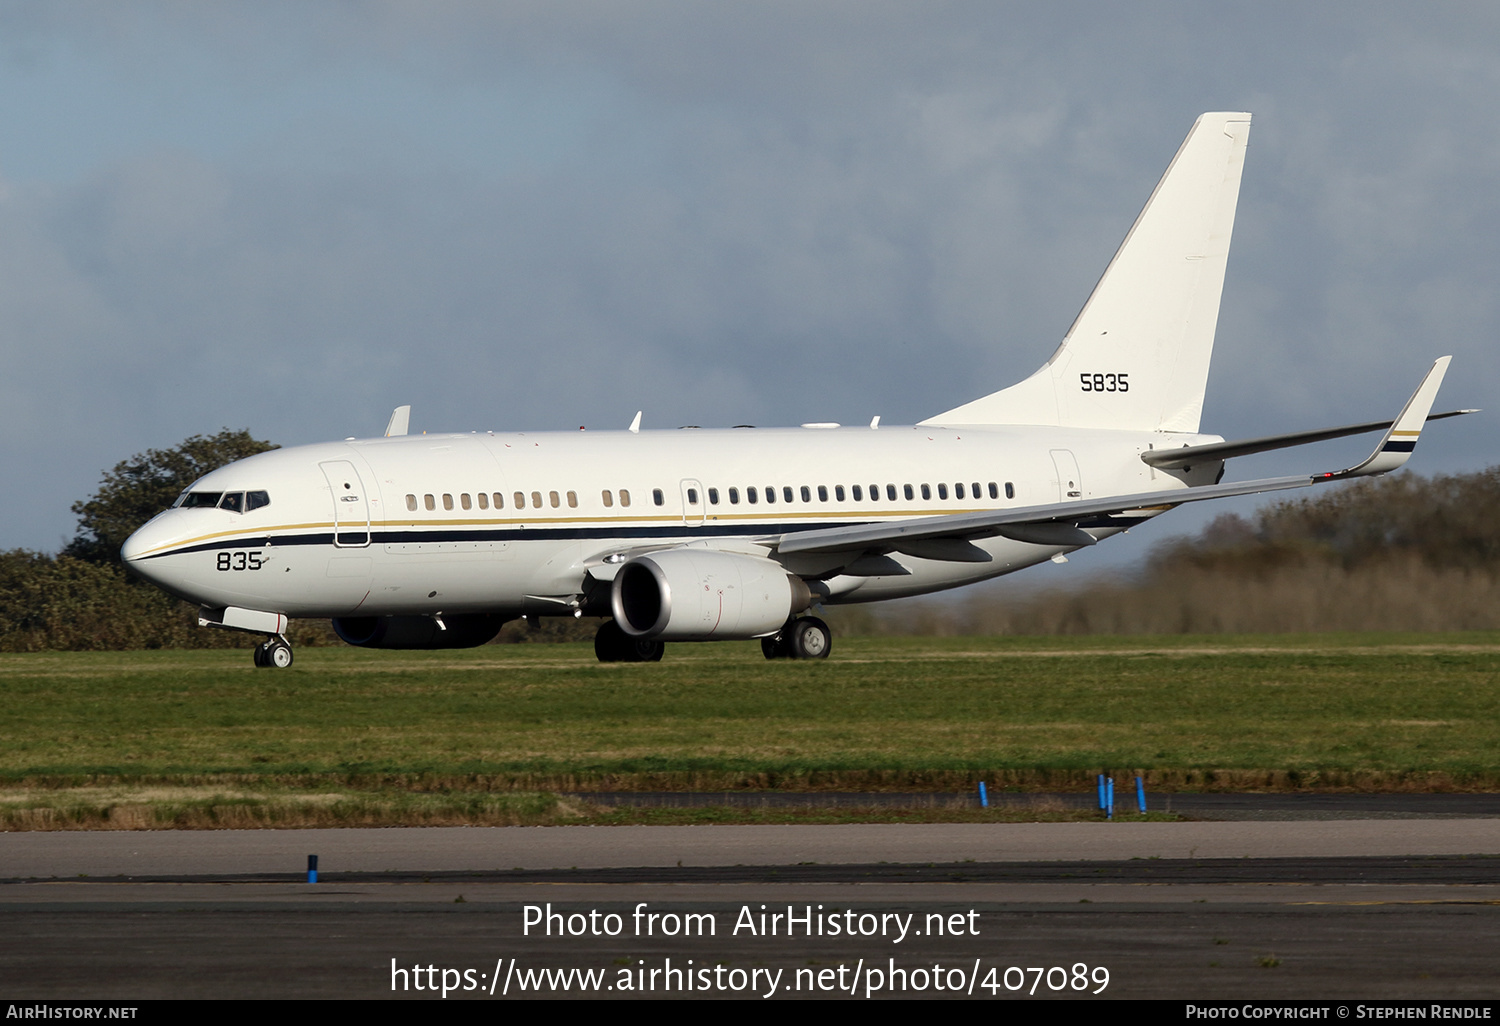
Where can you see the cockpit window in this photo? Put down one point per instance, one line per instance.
(194, 499)
(233, 501)
(255, 500)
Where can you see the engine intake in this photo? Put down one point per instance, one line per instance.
(702, 595)
(468, 630)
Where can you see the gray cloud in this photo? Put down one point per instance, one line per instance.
(292, 217)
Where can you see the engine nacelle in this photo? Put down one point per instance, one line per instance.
(468, 630)
(703, 595)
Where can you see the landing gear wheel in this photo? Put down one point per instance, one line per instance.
(645, 650)
(809, 638)
(274, 654)
(773, 647)
(613, 645)
(609, 643)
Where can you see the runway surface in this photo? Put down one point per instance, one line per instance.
(1191, 806)
(1331, 908)
(445, 849)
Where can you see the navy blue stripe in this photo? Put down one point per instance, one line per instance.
(507, 534)
(675, 532)
(1395, 446)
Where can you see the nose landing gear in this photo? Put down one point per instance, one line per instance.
(273, 653)
(804, 638)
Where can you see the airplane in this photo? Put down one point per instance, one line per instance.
(435, 541)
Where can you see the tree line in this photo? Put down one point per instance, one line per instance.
(1402, 552)
(83, 598)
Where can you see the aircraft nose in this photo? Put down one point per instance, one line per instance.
(153, 536)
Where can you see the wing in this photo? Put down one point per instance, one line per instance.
(1065, 523)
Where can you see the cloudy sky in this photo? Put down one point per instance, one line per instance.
(291, 217)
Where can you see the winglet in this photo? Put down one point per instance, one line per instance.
(1397, 445)
(400, 419)
(635, 425)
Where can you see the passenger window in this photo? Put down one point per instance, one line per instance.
(520, 498)
(427, 501)
(942, 490)
(657, 497)
(233, 501)
(859, 494)
(447, 501)
(692, 496)
(553, 498)
(536, 500)
(713, 496)
(411, 502)
(771, 494)
(807, 494)
(994, 490)
(255, 500)
(890, 492)
(609, 500)
(734, 496)
(1010, 490)
(499, 500)
(838, 492)
(624, 497)
(572, 500)
(786, 493)
(875, 493)
(822, 493)
(484, 501)
(958, 490)
(977, 492)
(750, 496)
(465, 501)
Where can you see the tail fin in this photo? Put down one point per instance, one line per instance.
(1137, 355)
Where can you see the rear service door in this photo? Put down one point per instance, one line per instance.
(1069, 481)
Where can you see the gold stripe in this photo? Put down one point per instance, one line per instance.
(865, 515)
(1407, 434)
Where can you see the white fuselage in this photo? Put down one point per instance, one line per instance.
(532, 522)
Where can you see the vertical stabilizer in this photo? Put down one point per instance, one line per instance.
(1137, 355)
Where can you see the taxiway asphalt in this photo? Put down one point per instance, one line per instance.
(1329, 908)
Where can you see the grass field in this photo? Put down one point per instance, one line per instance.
(491, 735)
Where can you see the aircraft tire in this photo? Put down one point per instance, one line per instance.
(772, 647)
(809, 638)
(609, 643)
(260, 656)
(278, 654)
(644, 650)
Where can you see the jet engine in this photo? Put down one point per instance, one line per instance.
(693, 594)
(468, 630)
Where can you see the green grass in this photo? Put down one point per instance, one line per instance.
(1411, 712)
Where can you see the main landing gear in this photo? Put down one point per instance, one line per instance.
(804, 638)
(273, 653)
(612, 645)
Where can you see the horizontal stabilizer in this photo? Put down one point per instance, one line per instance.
(1190, 454)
